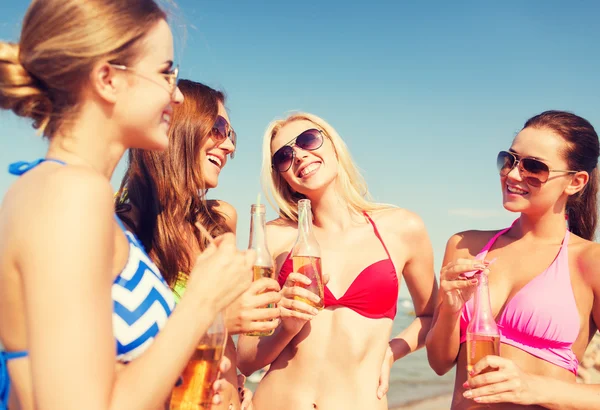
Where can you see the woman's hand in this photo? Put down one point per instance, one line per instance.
(384, 376)
(220, 384)
(457, 282)
(295, 313)
(250, 312)
(223, 271)
(245, 394)
(502, 382)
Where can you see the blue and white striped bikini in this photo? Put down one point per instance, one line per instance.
(142, 301)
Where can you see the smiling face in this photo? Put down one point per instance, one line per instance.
(311, 170)
(214, 152)
(144, 107)
(547, 146)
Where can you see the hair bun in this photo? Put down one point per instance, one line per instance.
(19, 91)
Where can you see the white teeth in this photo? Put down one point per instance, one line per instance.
(166, 117)
(309, 169)
(214, 159)
(516, 190)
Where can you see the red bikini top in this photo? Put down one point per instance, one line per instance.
(373, 293)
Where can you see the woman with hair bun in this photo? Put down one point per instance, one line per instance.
(78, 293)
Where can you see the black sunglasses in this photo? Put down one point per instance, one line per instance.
(533, 171)
(222, 130)
(309, 140)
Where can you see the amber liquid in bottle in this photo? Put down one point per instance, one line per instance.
(263, 267)
(310, 266)
(202, 371)
(306, 255)
(483, 335)
(199, 375)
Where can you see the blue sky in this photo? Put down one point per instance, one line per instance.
(425, 93)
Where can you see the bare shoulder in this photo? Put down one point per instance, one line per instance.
(281, 224)
(223, 207)
(68, 201)
(281, 227)
(280, 234)
(73, 187)
(467, 244)
(399, 221)
(227, 210)
(588, 260)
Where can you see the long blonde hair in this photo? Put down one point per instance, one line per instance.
(41, 77)
(351, 185)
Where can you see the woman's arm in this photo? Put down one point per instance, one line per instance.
(66, 262)
(254, 353)
(420, 280)
(443, 340)
(257, 352)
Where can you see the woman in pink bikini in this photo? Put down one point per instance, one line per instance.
(545, 284)
(341, 357)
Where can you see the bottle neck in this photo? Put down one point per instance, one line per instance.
(258, 239)
(304, 220)
(306, 243)
(483, 316)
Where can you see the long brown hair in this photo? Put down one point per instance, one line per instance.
(163, 194)
(582, 152)
(61, 40)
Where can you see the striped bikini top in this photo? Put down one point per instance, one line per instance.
(142, 301)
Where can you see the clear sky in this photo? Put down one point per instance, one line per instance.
(425, 93)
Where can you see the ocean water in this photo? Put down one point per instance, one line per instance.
(411, 378)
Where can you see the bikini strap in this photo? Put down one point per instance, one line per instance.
(377, 234)
(4, 377)
(21, 167)
(14, 355)
(491, 242)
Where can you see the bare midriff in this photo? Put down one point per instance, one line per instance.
(333, 363)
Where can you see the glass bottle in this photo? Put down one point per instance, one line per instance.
(306, 254)
(263, 266)
(483, 335)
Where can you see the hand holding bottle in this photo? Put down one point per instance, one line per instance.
(255, 310)
(223, 269)
(294, 312)
(458, 283)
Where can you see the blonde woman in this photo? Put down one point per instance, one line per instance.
(78, 293)
(341, 356)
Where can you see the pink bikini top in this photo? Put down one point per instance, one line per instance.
(541, 318)
(372, 294)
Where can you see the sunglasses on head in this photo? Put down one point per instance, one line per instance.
(309, 140)
(221, 130)
(533, 171)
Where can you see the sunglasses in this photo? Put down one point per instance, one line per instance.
(221, 130)
(533, 171)
(309, 140)
(170, 77)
